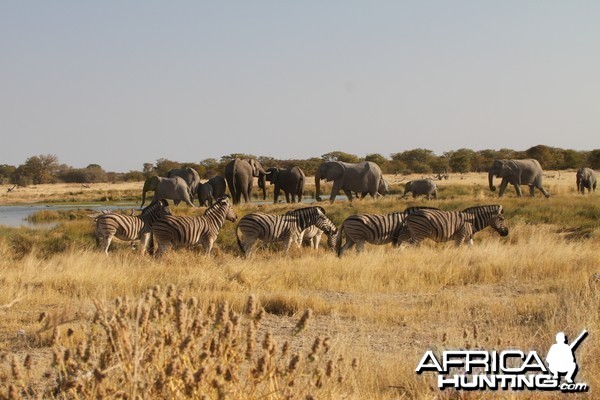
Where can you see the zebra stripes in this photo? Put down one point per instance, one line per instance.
(127, 227)
(187, 231)
(460, 226)
(280, 228)
(376, 229)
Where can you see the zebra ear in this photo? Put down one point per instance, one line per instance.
(501, 210)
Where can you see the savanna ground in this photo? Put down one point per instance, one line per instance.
(384, 307)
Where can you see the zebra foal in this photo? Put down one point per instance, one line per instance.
(280, 228)
(460, 226)
(187, 231)
(128, 227)
(312, 235)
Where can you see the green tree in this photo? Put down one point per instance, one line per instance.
(340, 156)
(7, 173)
(379, 160)
(39, 169)
(461, 160)
(594, 159)
(163, 166)
(416, 160)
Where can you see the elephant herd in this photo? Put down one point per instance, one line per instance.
(353, 179)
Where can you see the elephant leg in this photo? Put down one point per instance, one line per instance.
(434, 194)
(544, 192)
(348, 194)
(518, 190)
(531, 191)
(288, 197)
(276, 193)
(503, 186)
(337, 185)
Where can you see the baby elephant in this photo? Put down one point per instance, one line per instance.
(421, 187)
(586, 179)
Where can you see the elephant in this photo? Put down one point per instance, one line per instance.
(586, 179)
(421, 186)
(240, 176)
(382, 190)
(363, 177)
(175, 189)
(517, 173)
(189, 175)
(291, 181)
(211, 190)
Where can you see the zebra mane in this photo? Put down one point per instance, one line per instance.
(162, 203)
(298, 210)
(488, 207)
(411, 210)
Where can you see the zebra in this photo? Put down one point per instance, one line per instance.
(188, 231)
(281, 228)
(312, 235)
(442, 226)
(129, 227)
(376, 229)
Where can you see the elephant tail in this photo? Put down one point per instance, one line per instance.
(338, 241)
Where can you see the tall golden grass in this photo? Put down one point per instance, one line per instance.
(385, 306)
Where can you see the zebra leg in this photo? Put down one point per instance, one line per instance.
(144, 239)
(360, 246)
(106, 243)
(207, 243)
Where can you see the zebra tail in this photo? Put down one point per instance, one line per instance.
(338, 241)
(239, 241)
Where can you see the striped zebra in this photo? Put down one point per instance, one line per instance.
(312, 235)
(128, 227)
(179, 231)
(460, 226)
(376, 229)
(280, 228)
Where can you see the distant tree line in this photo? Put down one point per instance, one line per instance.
(47, 169)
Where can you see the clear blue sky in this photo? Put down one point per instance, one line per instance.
(120, 83)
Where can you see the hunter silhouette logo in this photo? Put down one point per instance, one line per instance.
(507, 369)
(561, 357)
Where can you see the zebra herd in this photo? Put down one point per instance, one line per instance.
(410, 226)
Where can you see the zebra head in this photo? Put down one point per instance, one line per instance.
(224, 205)
(324, 223)
(159, 209)
(498, 223)
(496, 219)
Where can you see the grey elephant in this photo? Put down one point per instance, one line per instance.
(175, 189)
(240, 176)
(291, 181)
(213, 189)
(363, 177)
(419, 187)
(517, 172)
(189, 175)
(586, 179)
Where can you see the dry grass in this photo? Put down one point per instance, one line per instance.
(386, 306)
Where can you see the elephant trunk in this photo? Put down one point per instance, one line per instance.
(318, 186)
(491, 181)
(262, 183)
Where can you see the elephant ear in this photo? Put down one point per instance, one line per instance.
(333, 171)
(512, 166)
